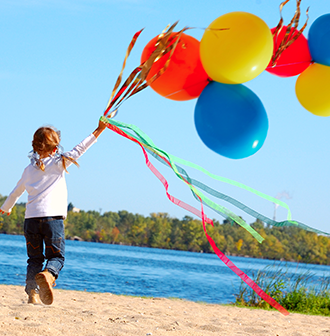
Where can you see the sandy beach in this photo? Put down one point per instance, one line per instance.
(87, 314)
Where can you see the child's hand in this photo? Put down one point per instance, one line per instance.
(3, 212)
(102, 126)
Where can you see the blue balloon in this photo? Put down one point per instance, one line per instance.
(319, 40)
(231, 120)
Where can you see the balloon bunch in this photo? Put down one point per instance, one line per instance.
(235, 48)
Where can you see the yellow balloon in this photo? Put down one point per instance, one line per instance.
(241, 52)
(313, 89)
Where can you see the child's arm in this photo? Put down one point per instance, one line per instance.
(83, 146)
(102, 126)
(13, 197)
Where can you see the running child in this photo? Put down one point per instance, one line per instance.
(46, 208)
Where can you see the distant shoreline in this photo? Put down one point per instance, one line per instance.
(77, 238)
(160, 230)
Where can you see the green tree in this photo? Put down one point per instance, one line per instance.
(160, 230)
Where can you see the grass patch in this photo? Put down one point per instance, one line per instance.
(296, 292)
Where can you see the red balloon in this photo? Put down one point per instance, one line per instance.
(185, 77)
(295, 59)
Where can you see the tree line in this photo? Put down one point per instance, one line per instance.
(159, 230)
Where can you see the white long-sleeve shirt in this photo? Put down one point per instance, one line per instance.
(47, 191)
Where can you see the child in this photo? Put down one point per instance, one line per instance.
(46, 208)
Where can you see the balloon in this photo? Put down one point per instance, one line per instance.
(319, 40)
(185, 77)
(241, 52)
(313, 89)
(231, 120)
(293, 60)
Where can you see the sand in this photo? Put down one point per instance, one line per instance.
(84, 313)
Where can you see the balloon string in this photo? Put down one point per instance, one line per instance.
(187, 87)
(201, 214)
(288, 64)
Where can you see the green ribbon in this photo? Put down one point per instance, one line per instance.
(159, 154)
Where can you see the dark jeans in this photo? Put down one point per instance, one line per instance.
(37, 231)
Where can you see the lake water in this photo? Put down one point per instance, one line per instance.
(141, 271)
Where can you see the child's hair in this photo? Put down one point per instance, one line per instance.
(45, 140)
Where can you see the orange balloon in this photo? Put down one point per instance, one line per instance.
(185, 77)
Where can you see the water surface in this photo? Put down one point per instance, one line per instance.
(142, 271)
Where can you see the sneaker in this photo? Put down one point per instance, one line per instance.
(45, 280)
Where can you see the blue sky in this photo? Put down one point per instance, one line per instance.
(58, 63)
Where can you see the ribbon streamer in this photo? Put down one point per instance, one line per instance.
(169, 160)
(289, 37)
(137, 80)
(240, 205)
(128, 51)
(166, 43)
(201, 214)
